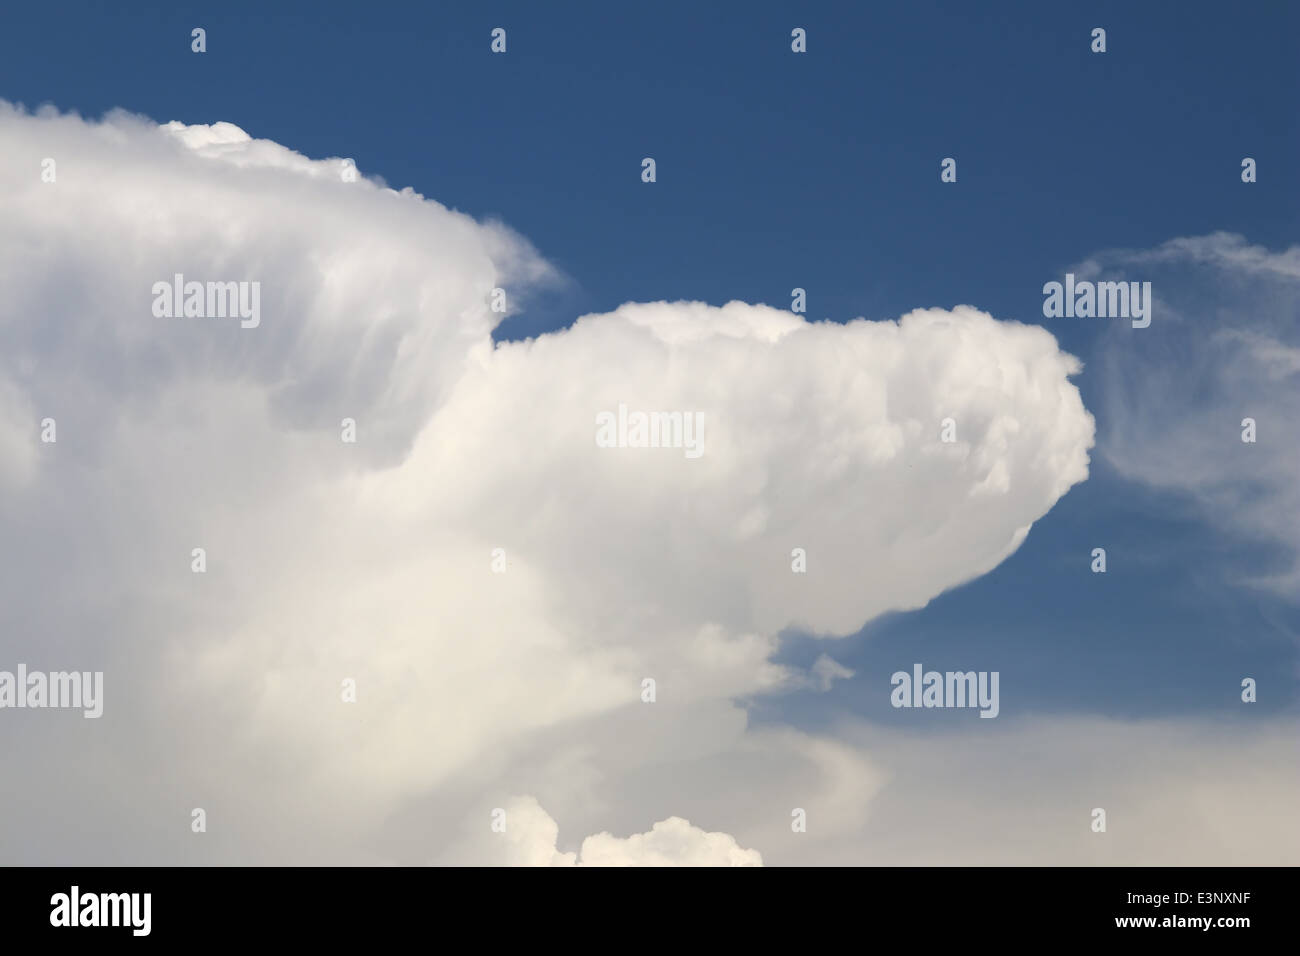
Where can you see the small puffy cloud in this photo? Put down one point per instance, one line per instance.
(529, 839)
(826, 671)
(671, 842)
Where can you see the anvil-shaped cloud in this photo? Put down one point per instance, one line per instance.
(373, 561)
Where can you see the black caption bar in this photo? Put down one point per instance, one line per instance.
(142, 906)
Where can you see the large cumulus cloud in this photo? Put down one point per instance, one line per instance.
(372, 561)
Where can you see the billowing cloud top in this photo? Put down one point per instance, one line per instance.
(901, 457)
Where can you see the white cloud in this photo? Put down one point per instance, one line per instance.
(826, 671)
(1186, 792)
(529, 838)
(671, 842)
(372, 561)
(1190, 792)
(1223, 347)
(1223, 250)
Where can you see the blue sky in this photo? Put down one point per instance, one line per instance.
(818, 171)
(821, 171)
(775, 170)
